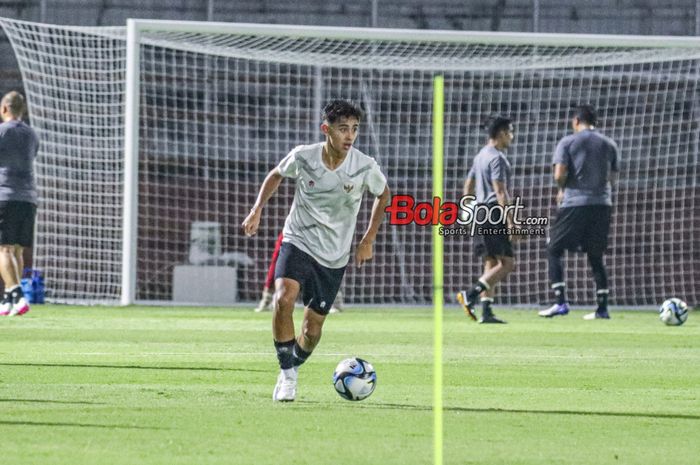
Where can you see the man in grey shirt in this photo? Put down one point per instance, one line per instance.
(18, 148)
(583, 165)
(490, 178)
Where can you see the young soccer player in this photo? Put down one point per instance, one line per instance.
(18, 198)
(331, 178)
(490, 177)
(583, 165)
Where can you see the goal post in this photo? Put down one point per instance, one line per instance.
(149, 129)
(131, 156)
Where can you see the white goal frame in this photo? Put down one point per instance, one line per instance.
(136, 27)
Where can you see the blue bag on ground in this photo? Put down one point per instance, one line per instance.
(33, 286)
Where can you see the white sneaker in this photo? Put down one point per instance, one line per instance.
(554, 310)
(265, 304)
(5, 307)
(20, 308)
(286, 387)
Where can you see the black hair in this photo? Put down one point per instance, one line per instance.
(339, 108)
(495, 124)
(586, 114)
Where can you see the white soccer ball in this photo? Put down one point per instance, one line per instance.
(354, 379)
(673, 312)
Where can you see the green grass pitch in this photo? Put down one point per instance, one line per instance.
(81, 385)
(192, 386)
(568, 391)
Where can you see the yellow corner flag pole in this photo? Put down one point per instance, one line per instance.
(438, 110)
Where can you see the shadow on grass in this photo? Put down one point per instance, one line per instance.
(370, 405)
(49, 401)
(129, 367)
(76, 425)
(670, 416)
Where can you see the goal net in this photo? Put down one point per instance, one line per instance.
(220, 104)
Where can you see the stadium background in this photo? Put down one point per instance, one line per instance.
(626, 17)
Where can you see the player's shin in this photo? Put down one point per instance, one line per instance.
(299, 355)
(285, 353)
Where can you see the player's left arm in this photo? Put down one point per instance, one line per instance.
(470, 183)
(503, 199)
(469, 186)
(364, 248)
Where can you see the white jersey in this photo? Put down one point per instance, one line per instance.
(322, 219)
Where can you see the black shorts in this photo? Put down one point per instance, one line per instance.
(581, 229)
(17, 223)
(489, 240)
(319, 284)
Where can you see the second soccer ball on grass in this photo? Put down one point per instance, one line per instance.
(673, 312)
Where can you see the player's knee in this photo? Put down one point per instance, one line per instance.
(284, 299)
(7, 249)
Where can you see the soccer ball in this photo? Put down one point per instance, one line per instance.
(673, 312)
(354, 379)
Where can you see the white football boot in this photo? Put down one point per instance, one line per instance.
(6, 306)
(20, 307)
(286, 387)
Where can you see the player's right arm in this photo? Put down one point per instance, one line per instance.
(269, 186)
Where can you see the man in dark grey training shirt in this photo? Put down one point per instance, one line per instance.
(583, 164)
(490, 178)
(18, 148)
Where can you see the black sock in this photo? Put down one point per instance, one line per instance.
(17, 294)
(559, 294)
(486, 306)
(285, 354)
(601, 298)
(300, 355)
(478, 288)
(7, 297)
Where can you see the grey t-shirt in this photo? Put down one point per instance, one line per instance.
(322, 218)
(490, 164)
(589, 157)
(18, 148)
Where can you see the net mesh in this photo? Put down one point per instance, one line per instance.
(218, 111)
